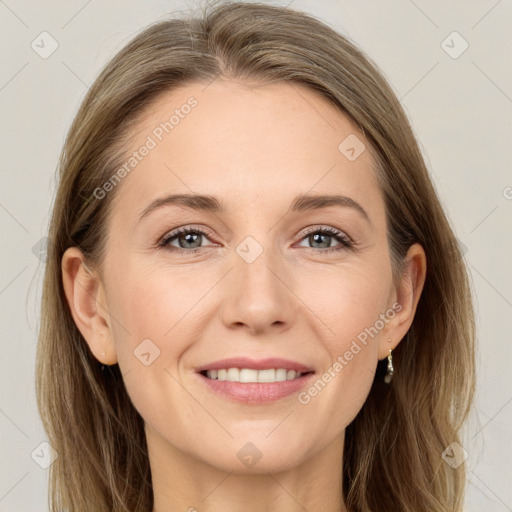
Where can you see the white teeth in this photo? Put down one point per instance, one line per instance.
(233, 374)
(250, 375)
(263, 375)
(291, 374)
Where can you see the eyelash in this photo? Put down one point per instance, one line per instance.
(339, 236)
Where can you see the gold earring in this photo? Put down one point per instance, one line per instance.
(389, 373)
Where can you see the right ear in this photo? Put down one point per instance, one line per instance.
(86, 298)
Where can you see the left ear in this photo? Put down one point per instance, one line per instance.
(408, 294)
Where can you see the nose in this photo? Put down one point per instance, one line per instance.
(258, 296)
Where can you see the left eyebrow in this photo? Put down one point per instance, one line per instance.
(306, 202)
(208, 203)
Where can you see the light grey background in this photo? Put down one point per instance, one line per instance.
(461, 111)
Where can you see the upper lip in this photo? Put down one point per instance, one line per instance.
(256, 364)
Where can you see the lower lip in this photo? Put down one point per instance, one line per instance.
(256, 392)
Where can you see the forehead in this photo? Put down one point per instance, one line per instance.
(253, 146)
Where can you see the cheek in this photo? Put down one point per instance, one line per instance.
(157, 317)
(352, 305)
(159, 314)
(153, 306)
(348, 301)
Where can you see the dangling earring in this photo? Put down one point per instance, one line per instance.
(389, 373)
(103, 366)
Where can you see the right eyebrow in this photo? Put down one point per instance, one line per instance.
(194, 201)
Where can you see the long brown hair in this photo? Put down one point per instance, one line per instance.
(393, 449)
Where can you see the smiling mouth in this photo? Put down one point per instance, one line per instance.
(249, 375)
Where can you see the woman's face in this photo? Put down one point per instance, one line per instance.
(256, 278)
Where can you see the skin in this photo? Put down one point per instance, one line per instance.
(255, 148)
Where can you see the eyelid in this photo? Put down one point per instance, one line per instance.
(324, 227)
(345, 242)
(173, 233)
